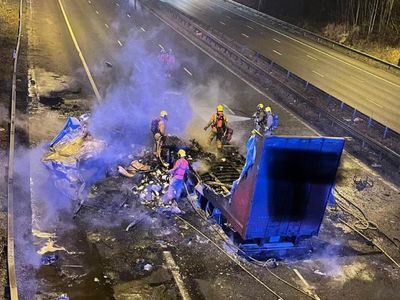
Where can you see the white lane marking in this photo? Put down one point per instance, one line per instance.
(141, 28)
(228, 108)
(85, 66)
(377, 104)
(117, 4)
(97, 12)
(248, 26)
(90, 2)
(161, 46)
(277, 52)
(319, 74)
(175, 273)
(228, 17)
(222, 23)
(106, 25)
(312, 57)
(128, 15)
(137, 67)
(355, 160)
(309, 46)
(245, 35)
(276, 40)
(119, 43)
(187, 71)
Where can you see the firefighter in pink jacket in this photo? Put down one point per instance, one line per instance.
(178, 173)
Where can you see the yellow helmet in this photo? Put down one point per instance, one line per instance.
(260, 106)
(163, 113)
(268, 109)
(182, 153)
(220, 107)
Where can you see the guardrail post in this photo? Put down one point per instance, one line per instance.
(341, 105)
(306, 87)
(329, 100)
(385, 133)
(288, 74)
(370, 122)
(354, 113)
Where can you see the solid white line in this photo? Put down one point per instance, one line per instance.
(106, 25)
(380, 106)
(85, 66)
(277, 52)
(175, 273)
(319, 74)
(119, 43)
(187, 71)
(351, 157)
(278, 41)
(309, 46)
(248, 26)
(222, 23)
(245, 35)
(142, 29)
(312, 57)
(230, 110)
(161, 46)
(97, 12)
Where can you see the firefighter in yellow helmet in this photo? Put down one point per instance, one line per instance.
(259, 118)
(269, 120)
(218, 123)
(158, 129)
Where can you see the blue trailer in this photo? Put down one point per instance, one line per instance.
(282, 192)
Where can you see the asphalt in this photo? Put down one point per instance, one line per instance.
(206, 84)
(370, 90)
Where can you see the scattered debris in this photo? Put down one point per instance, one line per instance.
(362, 183)
(49, 259)
(375, 165)
(63, 297)
(96, 279)
(108, 64)
(148, 267)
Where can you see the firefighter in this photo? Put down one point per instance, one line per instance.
(158, 129)
(177, 181)
(269, 121)
(259, 118)
(218, 123)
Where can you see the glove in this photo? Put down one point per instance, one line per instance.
(205, 128)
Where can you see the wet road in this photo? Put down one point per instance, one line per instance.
(99, 258)
(370, 90)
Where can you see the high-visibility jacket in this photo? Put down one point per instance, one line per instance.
(180, 168)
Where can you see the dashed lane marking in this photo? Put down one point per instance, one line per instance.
(319, 74)
(90, 2)
(97, 12)
(222, 23)
(119, 43)
(355, 160)
(312, 57)
(228, 108)
(309, 46)
(176, 274)
(248, 26)
(161, 46)
(277, 52)
(85, 66)
(276, 40)
(141, 28)
(245, 35)
(187, 71)
(128, 15)
(106, 25)
(117, 4)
